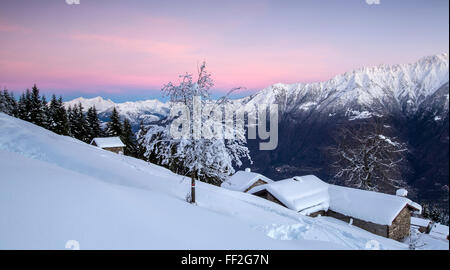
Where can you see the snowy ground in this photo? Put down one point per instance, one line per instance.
(424, 241)
(55, 188)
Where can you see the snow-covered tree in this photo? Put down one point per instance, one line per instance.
(140, 141)
(209, 159)
(8, 103)
(435, 213)
(366, 158)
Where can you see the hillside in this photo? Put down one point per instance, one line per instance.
(55, 188)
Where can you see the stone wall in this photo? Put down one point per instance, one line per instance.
(114, 149)
(266, 195)
(257, 183)
(381, 230)
(400, 227)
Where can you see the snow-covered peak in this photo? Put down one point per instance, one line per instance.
(103, 105)
(384, 86)
(146, 110)
(100, 103)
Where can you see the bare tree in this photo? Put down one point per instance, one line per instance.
(365, 157)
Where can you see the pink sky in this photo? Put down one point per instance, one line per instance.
(111, 47)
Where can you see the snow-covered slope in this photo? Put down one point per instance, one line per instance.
(55, 188)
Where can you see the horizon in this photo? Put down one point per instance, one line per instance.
(128, 51)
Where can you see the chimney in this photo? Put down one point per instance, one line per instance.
(401, 192)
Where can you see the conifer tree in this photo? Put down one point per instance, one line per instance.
(53, 107)
(62, 120)
(8, 103)
(93, 123)
(114, 126)
(58, 121)
(79, 127)
(36, 113)
(70, 118)
(140, 145)
(46, 117)
(24, 106)
(12, 105)
(128, 139)
(3, 103)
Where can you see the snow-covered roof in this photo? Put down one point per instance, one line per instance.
(108, 142)
(242, 180)
(416, 206)
(304, 194)
(366, 205)
(421, 222)
(439, 230)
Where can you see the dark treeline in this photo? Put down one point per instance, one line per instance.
(52, 115)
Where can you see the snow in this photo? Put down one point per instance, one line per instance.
(354, 115)
(306, 193)
(425, 241)
(439, 231)
(148, 110)
(108, 142)
(421, 222)
(370, 206)
(55, 188)
(307, 105)
(416, 206)
(100, 104)
(242, 180)
(103, 105)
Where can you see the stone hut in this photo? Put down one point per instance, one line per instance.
(245, 180)
(382, 214)
(379, 213)
(113, 144)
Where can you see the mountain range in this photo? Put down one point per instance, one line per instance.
(148, 111)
